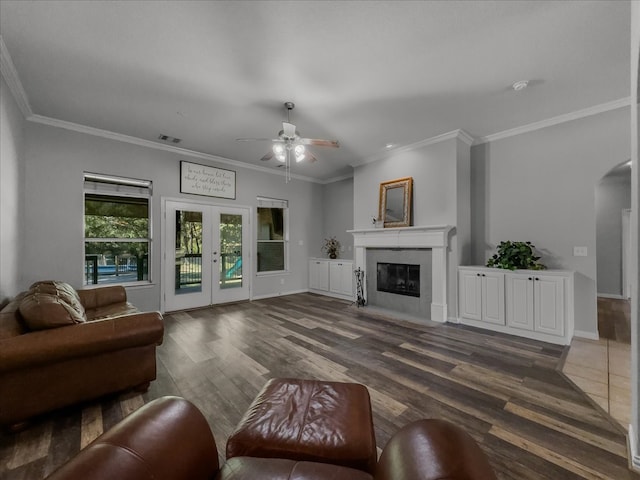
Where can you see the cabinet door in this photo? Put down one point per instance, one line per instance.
(335, 277)
(340, 278)
(347, 279)
(319, 275)
(548, 307)
(519, 299)
(493, 297)
(470, 294)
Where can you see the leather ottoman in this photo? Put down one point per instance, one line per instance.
(308, 420)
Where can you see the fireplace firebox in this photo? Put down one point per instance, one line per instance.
(398, 278)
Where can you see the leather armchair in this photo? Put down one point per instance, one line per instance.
(170, 439)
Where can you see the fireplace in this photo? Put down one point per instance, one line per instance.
(398, 278)
(421, 245)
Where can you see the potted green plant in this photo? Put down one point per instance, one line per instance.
(515, 256)
(331, 246)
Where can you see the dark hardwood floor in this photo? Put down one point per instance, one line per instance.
(614, 319)
(507, 392)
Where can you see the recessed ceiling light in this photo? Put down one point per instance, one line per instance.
(389, 145)
(521, 85)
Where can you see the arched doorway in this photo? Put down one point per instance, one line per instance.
(613, 207)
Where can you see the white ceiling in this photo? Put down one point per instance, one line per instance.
(364, 73)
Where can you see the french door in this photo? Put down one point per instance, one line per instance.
(206, 255)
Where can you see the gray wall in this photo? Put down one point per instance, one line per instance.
(433, 169)
(11, 193)
(613, 194)
(55, 162)
(540, 187)
(337, 217)
(441, 196)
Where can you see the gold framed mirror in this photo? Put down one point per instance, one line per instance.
(394, 208)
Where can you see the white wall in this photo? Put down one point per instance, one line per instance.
(613, 194)
(55, 162)
(540, 187)
(337, 217)
(11, 193)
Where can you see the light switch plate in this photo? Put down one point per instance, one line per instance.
(579, 251)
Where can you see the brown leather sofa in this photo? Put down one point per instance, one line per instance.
(59, 347)
(169, 439)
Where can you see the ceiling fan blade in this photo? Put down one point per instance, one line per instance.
(310, 157)
(289, 129)
(268, 156)
(320, 143)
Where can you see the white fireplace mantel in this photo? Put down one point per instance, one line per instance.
(434, 237)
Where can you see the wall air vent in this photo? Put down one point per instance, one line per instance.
(168, 139)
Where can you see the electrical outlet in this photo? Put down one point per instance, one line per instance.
(579, 251)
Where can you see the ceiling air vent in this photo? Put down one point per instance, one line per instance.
(168, 139)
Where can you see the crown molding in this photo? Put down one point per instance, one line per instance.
(10, 74)
(567, 117)
(455, 134)
(119, 137)
(336, 179)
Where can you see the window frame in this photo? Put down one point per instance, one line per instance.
(114, 186)
(268, 202)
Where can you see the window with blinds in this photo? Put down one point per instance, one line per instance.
(117, 229)
(273, 234)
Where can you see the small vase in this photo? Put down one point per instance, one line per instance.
(333, 256)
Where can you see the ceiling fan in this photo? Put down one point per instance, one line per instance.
(290, 142)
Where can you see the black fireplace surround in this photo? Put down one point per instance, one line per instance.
(398, 278)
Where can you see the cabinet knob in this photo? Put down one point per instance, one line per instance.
(483, 275)
(477, 274)
(537, 278)
(530, 278)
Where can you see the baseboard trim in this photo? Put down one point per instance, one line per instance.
(278, 294)
(612, 295)
(587, 335)
(634, 453)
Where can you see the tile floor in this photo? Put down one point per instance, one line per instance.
(602, 369)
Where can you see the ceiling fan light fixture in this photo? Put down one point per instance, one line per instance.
(300, 153)
(520, 85)
(279, 152)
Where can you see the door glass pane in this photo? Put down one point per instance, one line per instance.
(188, 270)
(230, 251)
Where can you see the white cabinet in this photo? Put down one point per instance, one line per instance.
(331, 277)
(341, 277)
(481, 295)
(319, 274)
(536, 302)
(533, 304)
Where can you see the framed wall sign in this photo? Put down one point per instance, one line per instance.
(209, 181)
